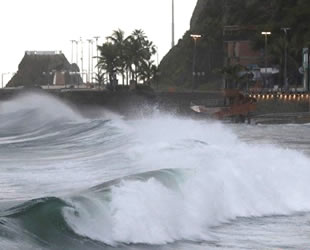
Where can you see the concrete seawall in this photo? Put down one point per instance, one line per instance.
(282, 106)
(123, 102)
(137, 102)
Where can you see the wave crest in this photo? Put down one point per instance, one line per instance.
(32, 111)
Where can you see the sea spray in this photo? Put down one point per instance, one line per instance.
(154, 180)
(226, 179)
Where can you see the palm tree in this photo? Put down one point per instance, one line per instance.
(234, 76)
(100, 78)
(118, 39)
(139, 35)
(108, 60)
(147, 72)
(130, 56)
(140, 51)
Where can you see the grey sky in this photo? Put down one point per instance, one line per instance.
(50, 25)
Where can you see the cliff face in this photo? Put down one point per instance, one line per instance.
(209, 20)
(199, 9)
(177, 66)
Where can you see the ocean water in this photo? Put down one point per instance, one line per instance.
(154, 182)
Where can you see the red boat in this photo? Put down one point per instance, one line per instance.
(239, 107)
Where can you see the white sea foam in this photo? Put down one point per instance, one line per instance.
(226, 179)
(48, 108)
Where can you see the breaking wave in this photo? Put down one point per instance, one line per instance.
(179, 178)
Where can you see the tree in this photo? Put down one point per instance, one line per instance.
(236, 76)
(130, 56)
(108, 59)
(99, 78)
(140, 51)
(118, 39)
(148, 71)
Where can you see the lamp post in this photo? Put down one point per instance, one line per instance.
(47, 74)
(285, 57)
(172, 26)
(82, 55)
(72, 42)
(90, 42)
(2, 79)
(77, 51)
(92, 61)
(97, 38)
(2, 75)
(266, 34)
(195, 37)
(97, 55)
(306, 70)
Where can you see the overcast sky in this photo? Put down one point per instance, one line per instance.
(50, 25)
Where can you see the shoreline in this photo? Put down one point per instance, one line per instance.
(137, 102)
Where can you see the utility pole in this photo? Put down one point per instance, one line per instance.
(2, 79)
(90, 41)
(195, 37)
(82, 70)
(97, 56)
(172, 28)
(285, 57)
(77, 52)
(72, 41)
(306, 68)
(266, 34)
(96, 38)
(92, 61)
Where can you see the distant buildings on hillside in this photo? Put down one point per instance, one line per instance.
(238, 50)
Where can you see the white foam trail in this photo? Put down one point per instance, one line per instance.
(227, 179)
(49, 108)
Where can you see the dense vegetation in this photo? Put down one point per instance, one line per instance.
(127, 57)
(263, 15)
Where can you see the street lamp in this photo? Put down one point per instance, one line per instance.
(47, 74)
(2, 75)
(72, 50)
(82, 55)
(172, 26)
(90, 43)
(306, 68)
(285, 57)
(97, 56)
(77, 51)
(92, 61)
(195, 37)
(266, 34)
(97, 38)
(72, 42)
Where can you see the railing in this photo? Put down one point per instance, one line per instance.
(34, 52)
